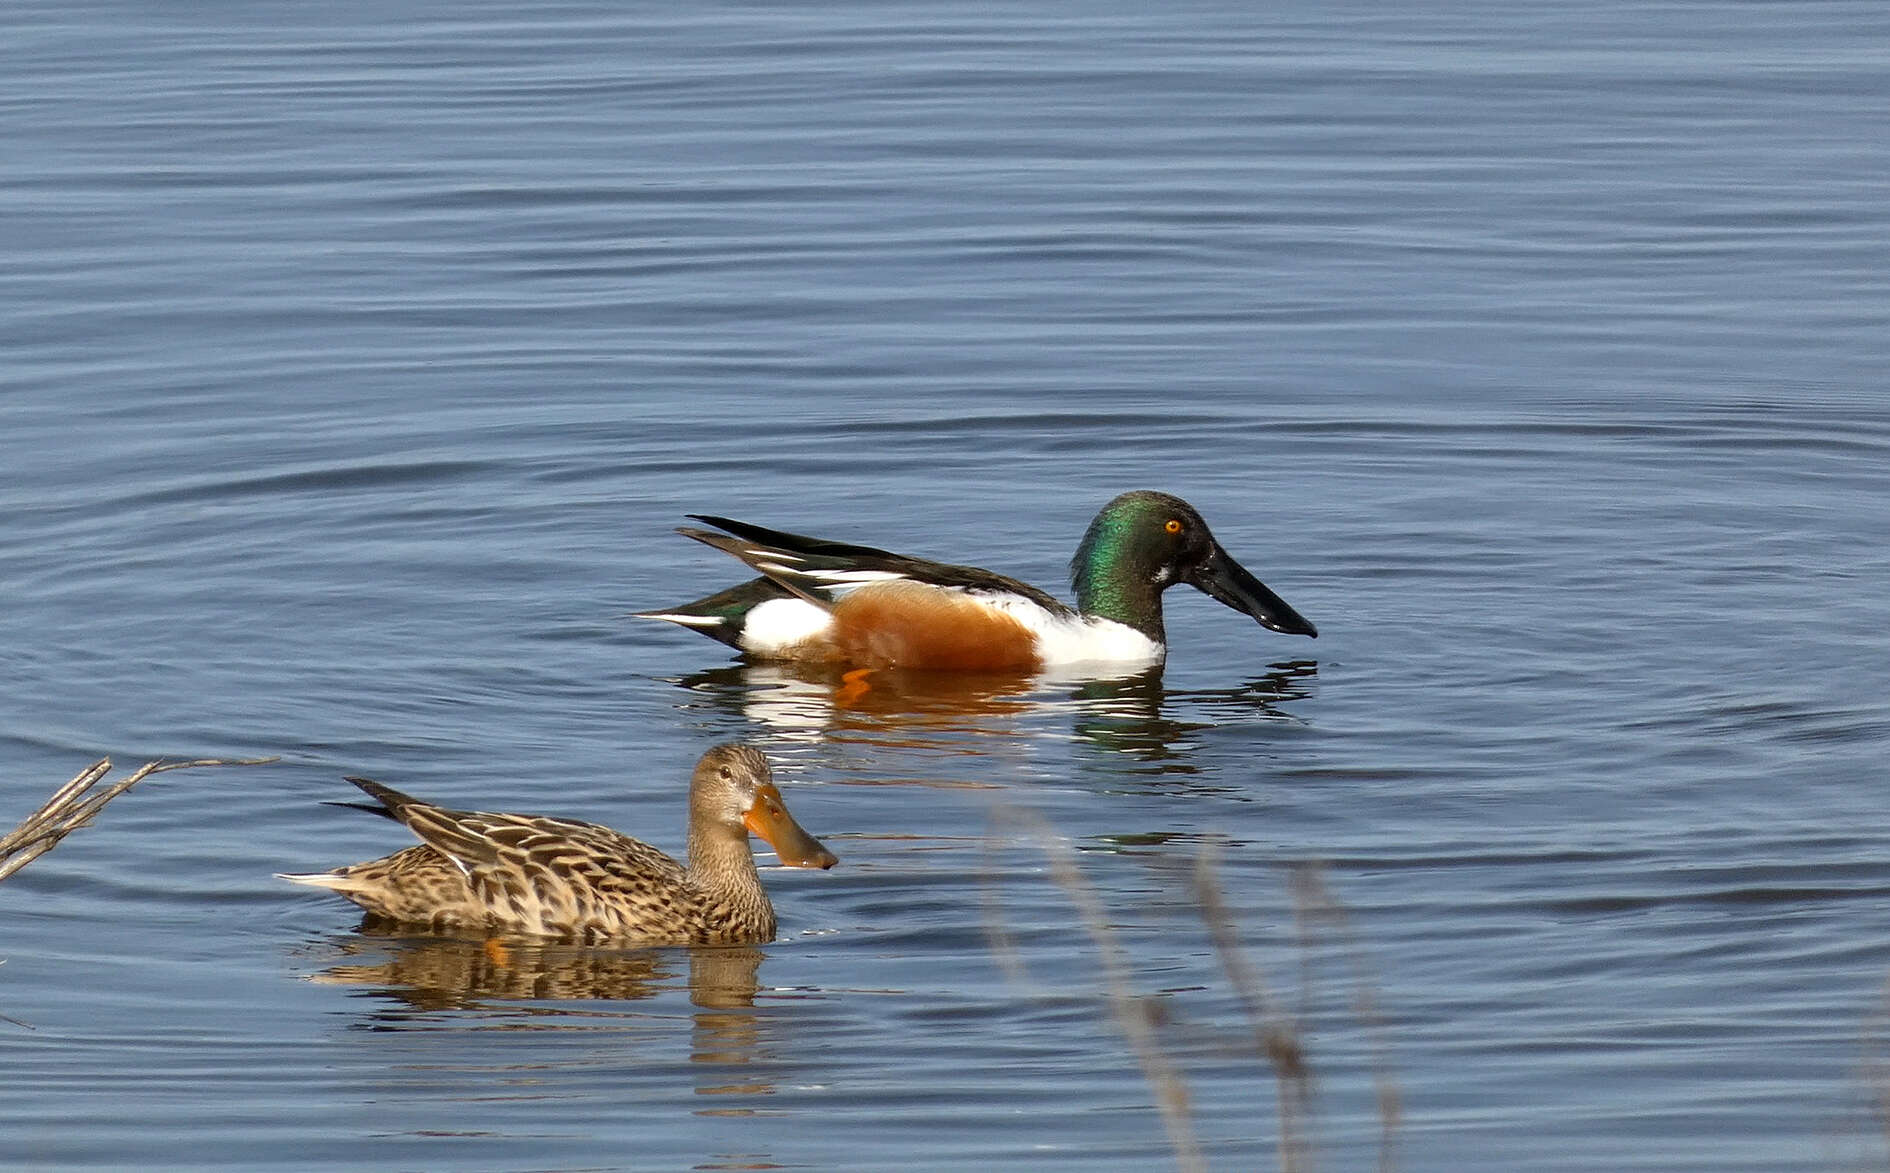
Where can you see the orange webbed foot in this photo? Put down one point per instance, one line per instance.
(853, 686)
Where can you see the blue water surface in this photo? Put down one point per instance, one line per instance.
(359, 361)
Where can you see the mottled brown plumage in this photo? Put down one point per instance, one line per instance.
(553, 877)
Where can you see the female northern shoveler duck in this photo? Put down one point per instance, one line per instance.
(582, 882)
(830, 602)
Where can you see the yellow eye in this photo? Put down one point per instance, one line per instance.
(1173, 526)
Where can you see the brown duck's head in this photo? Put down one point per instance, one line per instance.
(733, 787)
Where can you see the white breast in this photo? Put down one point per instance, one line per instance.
(1067, 640)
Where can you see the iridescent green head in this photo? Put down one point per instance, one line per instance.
(1144, 542)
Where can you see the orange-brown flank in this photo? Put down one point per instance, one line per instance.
(913, 625)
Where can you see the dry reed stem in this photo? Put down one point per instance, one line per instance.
(1276, 1035)
(1313, 904)
(73, 806)
(10, 1018)
(1136, 1017)
(1875, 1071)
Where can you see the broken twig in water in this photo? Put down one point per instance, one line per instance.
(75, 804)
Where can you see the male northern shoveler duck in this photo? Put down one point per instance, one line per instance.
(581, 882)
(835, 603)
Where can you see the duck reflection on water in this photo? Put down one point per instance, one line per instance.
(1135, 714)
(513, 984)
(442, 971)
